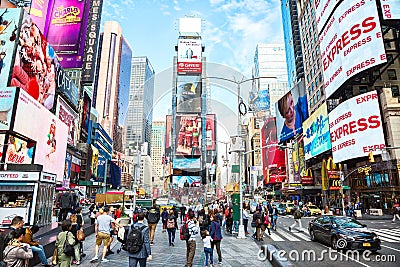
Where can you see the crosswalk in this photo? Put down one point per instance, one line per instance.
(282, 234)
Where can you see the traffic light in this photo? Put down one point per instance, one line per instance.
(371, 157)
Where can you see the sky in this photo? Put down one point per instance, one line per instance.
(231, 31)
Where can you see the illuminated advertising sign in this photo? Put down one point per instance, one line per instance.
(7, 99)
(19, 151)
(323, 9)
(390, 9)
(38, 12)
(356, 127)
(186, 163)
(92, 38)
(192, 180)
(35, 64)
(168, 139)
(316, 135)
(47, 130)
(67, 171)
(189, 97)
(9, 19)
(189, 55)
(298, 160)
(273, 159)
(66, 85)
(293, 110)
(67, 115)
(210, 131)
(351, 43)
(95, 161)
(85, 116)
(66, 30)
(188, 140)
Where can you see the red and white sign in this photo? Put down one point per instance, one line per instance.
(356, 128)
(19, 176)
(323, 9)
(390, 9)
(67, 115)
(189, 55)
(351, 42)
(34, 121)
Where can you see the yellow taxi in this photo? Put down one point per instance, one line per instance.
(314, 210)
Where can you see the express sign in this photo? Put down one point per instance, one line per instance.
(351, 42)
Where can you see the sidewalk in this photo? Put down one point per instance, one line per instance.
(235, 252)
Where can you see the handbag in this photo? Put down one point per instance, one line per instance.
(80, 235)
(3, 263)
(69, 249)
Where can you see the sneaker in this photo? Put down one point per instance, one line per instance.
(94, 259)
(110, 252)
(172, 244)
(290, 228)
(78, 263)
(104, 260)
(83, 255)
(73, 262)
(151, 243)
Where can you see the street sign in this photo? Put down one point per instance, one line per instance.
(235, 169)
(346, 187)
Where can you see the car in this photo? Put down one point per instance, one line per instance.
(290, 207)
(343, 233)
(314, 210)
(281, 209)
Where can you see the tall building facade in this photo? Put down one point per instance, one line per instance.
(157, 148)
(113, 80)
(140, 112)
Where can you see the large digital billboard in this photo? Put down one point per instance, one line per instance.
(351, 42)
(292, 111)
(273, 159)
(66, 86)
(210, 132)
(85, 116)
(10, 20)
(46, 129)
(316, 133)
(186, 163)
(19, 150)
(67, 115)
(390, 9)
(7, 99)
(189, 55)
(35, 64)
(188, 132)
(38, 12)
(192, 180)
(356, 127)
(189, 96)
(168, 132)
(323, 10)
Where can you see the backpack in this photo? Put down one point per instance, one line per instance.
(153, 216)
(297, 215)
(170, 223)
(134, 241)
(184, 232)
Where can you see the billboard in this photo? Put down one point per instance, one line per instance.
(19, 150)
(189, 55)
(38, 12)
(7, 99)
(210, 132)
(66, 85)
(316, 133)
(186, 163)
(262, 101)
(189, 96)
(67, 171)
(356, 127)
(67, 115)
(35, 64)
(188, 140)
(273, 159)
(85, 116)
(46, 129)
(65, 29)
(168, 132)
(192, 180)
(293, 111)
(323, 9)
(351, 43)
(10, 18)
(390, 9)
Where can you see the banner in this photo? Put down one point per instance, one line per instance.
(292, 110)
(316, 133)
(351, 42)
(356, 128)
(67, 171)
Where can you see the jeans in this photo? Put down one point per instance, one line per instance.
(273, 221)
(217, 244)
(134, 261)
(209, 253)
(245, 224)
(152, 229)
(171, 235)
(40, 251)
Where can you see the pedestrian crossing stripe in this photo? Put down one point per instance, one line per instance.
(397, 231)
(385, 235)
(276, 237)
(288, 236)
(303, 236)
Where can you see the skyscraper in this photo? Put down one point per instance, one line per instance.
(157, 148)
(140, 111)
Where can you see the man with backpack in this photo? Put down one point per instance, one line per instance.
(297, 220)
(137, 243)
(191, 241)
(153, 216)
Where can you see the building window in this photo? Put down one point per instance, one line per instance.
(316, 83)
(318, 95)
(363, 89)
(308, 78)
(395, 91)
(392, 74)
(389, 58)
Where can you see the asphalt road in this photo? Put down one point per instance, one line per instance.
(301, 251)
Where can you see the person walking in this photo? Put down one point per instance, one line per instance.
(171, 226)
(257, 222)
(229, 220)
(74, 229)
(205, 236)
(102, 230)
(266, 223)
(191, 243)
(164, 216)
(216, 235)
(66, 205)
(65, 236)
(17, 253)
(396, 213)
(145, 252)
(274, 216)
(35, 246)
(297, 220)
(245, 217)
(80, 222)
(153, 217)
(182, 213)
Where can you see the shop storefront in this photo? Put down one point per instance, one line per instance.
(26, 194)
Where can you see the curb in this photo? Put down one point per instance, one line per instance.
(274, 258)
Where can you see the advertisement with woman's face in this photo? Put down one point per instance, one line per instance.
(292, 110)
